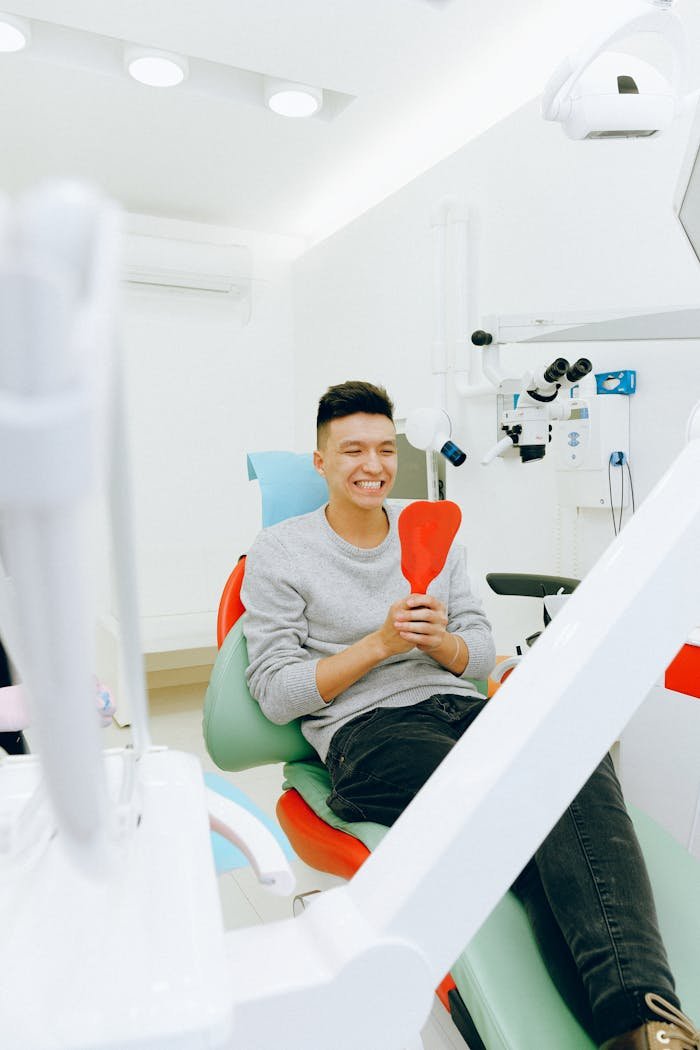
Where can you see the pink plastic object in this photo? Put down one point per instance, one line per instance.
(426, 531)
(14, 713)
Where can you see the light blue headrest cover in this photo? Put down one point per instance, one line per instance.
(289, 485)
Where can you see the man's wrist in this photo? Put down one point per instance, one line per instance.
(456, 655)
(450, 653)
(377, 649)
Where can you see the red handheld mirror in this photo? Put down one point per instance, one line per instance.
(426, 531)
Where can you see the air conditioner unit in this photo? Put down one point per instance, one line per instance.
(190, 266)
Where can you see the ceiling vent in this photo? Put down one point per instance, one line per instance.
(167, 264)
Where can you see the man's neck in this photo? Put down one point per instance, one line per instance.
(361, 528)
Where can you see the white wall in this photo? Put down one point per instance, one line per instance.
(202, 389)
(559, 226)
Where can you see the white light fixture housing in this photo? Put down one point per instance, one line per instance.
(155, 68)
(292, 100)
(15, 33)
(600, 94)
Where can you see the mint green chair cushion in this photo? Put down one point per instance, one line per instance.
(312, 782)
(236, 732)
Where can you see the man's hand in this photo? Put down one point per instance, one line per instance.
(420, 621)
(390, 639)
(416, 622)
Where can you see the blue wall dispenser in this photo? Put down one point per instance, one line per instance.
(624, 382)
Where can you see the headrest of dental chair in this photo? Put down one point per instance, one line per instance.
(289, 485)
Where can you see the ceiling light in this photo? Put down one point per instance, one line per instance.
(14, 33)
(292, 100)
(155, 68)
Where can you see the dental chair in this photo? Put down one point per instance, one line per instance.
(499, 993)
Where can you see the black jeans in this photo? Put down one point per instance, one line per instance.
(586, 890)
(13, 743)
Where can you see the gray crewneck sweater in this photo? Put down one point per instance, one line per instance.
(309, 594)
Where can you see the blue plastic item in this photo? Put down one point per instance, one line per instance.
(624, 382)
(226, 856)
(289, 485)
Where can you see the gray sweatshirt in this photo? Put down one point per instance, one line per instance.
(309, 594)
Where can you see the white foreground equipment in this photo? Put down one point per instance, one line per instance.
(111, 931)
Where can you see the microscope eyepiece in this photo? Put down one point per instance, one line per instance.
(579, 369)
(556, 370)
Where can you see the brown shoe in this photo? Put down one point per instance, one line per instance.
(674, 1031)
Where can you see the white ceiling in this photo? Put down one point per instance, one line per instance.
(426, 76)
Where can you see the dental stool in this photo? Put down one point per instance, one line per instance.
(499, 993)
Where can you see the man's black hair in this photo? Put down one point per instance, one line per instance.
(354, 395)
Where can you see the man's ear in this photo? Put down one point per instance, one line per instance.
(318, 463)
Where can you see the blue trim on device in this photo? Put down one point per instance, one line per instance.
(226, 856)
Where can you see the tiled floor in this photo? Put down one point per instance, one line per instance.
(175, 721)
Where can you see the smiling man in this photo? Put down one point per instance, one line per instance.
(382, 682)
(332, 636)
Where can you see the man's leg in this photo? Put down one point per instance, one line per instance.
(594, 878)
(380, 760)
(586, 890)
(553, 948)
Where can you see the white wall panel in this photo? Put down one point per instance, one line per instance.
(202, 390)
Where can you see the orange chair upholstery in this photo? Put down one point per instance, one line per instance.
(230, 605)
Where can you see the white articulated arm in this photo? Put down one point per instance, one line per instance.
(59, 265)
(328, 979)
(419, 899)
(47, 443)
(506, 783)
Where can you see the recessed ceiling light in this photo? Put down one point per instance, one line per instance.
(93, 53)
(292, 100)
(14, 33)
(155, 68)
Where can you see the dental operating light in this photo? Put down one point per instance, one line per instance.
(430, 429)
(600, 93)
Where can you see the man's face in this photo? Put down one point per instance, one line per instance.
(358, 460)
